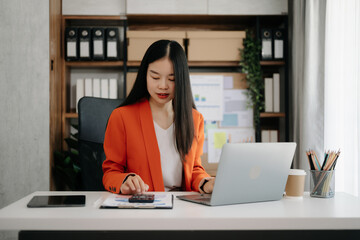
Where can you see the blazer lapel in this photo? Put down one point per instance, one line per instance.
(151, 145)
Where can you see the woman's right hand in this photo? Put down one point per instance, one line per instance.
(133, 184)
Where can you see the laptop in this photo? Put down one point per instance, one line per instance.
(249, 172)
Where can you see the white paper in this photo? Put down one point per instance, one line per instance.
(266, 48)
(111, 49)
(161, 200)
(228, 82)
(71, 49)
(218, 137)
(207, 91)
(278, 49)
(84, 49)
(236, 111)
(98, 48)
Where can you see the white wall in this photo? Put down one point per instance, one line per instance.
(201, 7)
(24, 99)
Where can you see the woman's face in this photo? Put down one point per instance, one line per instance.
(161, 81)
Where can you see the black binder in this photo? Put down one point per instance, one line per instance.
(266, 44)
(112, 44)
(84, 43)
(278, 43)
(98, 43)
(71, 44)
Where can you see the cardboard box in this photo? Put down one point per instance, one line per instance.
(139, 41)
(215, 45)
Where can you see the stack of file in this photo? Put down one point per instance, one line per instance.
(269, 135)
(96, 87)
(96, 44)
(272, 93)
(272, 44)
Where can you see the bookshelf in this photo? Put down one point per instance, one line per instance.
(278, 121)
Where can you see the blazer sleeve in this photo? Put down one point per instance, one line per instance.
(114, 166)
(198, 172)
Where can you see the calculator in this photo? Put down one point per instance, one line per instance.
(142, 198)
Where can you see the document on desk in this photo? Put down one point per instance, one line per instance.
(161, 200)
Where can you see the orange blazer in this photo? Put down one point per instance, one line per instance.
(131, 146)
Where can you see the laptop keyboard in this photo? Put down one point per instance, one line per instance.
(200, 198)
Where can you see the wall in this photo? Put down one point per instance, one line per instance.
(24, 99)
(202, 7)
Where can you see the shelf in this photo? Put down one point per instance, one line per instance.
(272, 115)
(213, 64)
(216, 63)
(272, 63)
(84, 17)
(71, 115)
(197, 64)
(94, 64)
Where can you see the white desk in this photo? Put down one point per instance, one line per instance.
(341, 213)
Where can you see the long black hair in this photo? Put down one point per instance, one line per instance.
(183, 102)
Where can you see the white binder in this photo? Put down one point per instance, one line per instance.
(269, 95)
(88, 87)
(80, 91)
(96, 88)
(113, 88)
(104, 88)
(276, 91)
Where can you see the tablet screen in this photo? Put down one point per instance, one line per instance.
(57, 201)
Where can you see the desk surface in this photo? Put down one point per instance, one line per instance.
(340, 212)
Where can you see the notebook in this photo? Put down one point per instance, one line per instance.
(249, 172)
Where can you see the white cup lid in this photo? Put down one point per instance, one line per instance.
(297, 172)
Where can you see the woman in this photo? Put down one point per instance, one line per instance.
(154, 140)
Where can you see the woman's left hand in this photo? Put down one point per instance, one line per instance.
(209, 185)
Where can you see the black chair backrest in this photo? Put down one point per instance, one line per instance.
(93, 117)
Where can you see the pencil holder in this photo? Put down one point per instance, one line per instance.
(322, 183)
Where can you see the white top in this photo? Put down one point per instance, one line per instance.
(171, 165)
(340, 212)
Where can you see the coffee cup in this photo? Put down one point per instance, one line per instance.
(295, 183)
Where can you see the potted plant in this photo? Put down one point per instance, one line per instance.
(250, 63)
(66, 168)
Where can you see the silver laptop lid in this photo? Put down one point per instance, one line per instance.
(252, 172)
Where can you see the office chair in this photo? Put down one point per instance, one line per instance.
(93, 117)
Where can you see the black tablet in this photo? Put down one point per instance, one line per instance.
(57, 201)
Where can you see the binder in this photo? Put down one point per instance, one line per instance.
(113, 88)
(84, 43)
(276, 92)
(268, 95)
(79, 91)
(88, 87)
(278, 43)
(265, 136)
(274, 136)
(112, 44)
(71, 44)
(266, 44)
(104, 88)
(96, 88)
(98, 43)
